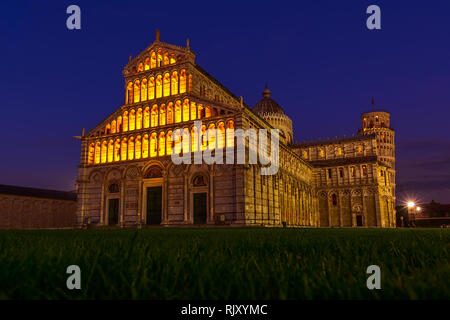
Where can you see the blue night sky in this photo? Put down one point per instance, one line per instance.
(322, 65)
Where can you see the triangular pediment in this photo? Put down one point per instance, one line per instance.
(158, 54)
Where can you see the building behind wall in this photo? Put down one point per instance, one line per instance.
(127, 178)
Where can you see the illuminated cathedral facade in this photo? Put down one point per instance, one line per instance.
(127, 177)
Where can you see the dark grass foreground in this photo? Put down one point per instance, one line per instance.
(225, 264)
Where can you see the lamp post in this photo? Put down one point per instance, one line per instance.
(411, 211)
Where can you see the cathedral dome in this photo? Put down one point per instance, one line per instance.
(270, 110)
(267, 105)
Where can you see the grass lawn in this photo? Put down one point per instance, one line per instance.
(225, 263)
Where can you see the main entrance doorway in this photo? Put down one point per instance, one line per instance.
(200, 209)
(154, 205)
(113, 212)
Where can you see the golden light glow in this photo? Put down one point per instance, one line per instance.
(117, 150)
(137, 148)
(132, 120)
(186, 110)
(137, 91)
(193, 111)
(144, 90)
(91, 151)
(97, 152)
(169, 143)
(162, 115)
(166, 84)
(125, 121)
(211, 136)
(154, 116)
(153, 60)
(411, 204)
(194, 139)
(174, 83)
(139, 119)
(145, 146)
(111, 151)
(162, 144)
(104, 151)
(123, 149)
(220, 135)
(178, 111)
(151, 88)
(131, 149)
(183, 81)
(170, 113)
(146, 117)
(230, 133)
(153, 151)
(186, 141)
(159, 86)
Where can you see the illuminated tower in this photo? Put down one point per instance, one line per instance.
(378, 122)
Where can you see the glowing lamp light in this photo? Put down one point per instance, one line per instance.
(419, 209)
(411, 204)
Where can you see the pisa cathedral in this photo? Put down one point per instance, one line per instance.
(127, 178)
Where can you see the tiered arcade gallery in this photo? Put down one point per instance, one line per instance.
(127, 177)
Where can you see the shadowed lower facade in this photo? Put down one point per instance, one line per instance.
(127, 177)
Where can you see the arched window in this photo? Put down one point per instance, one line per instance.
(141, 67)
(220, 135)
(201, 111)
(97, 153)
(123, 150)
(129, 93)
(145, 146)
(117, 150)
(353, 171)
(170, 113)
(159, 86)
(119, 124)
(147, 64)
(144, 90)
(183, 81)
(132, 120)
(153, 60)
(166, 84)
(364, 170)
(131, 149)
(153, 145)
(207, 112)
(174, 83)
(153, 172)
(162, 144)
(193, 110)
(230, 133)
(91, 151)
(137, 93)
(178, 111)
(322, 153)
(162, 115)
(341, 173)
(160, 59)
(186, 141)
(169, 143)
(172, 59)
(137, 148)
(113, 126)
(186, 110)
(204, 138)
(154, 116)
(166, 59)
(212, 136)
(125, 121)
(177, 141)
(104, 151)
(111, 151)
(108, 129)
(334, 199)
(194, 139)
(190, 83)
(151, 88)
(139, 119)
(305, 154)
(146, 117)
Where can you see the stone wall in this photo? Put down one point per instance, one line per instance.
(24, 212)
